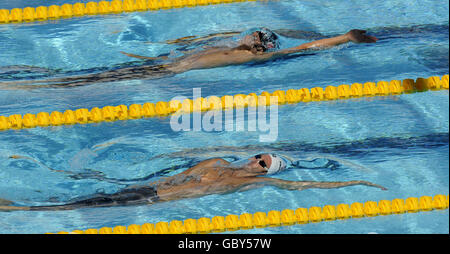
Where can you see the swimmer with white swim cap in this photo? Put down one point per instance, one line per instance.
(277, 165)
(272, 163)
(212, 176)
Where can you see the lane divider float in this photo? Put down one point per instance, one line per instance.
(286, 217)
(226, 102)
(41, 13)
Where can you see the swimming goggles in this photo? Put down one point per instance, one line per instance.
(262, 163)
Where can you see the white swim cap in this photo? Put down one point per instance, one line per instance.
(277, 165)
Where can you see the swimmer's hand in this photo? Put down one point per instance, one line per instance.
(359, 36)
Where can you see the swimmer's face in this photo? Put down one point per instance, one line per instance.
(259, 163)
(253, 41)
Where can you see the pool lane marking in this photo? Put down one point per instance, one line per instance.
(274, 218)
(226, 102)
(42, 13)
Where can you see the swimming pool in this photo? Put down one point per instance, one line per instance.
(402, 140)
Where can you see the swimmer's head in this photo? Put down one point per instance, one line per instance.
(277, 164)
(261, 40)
(269, 39)
(262, 164)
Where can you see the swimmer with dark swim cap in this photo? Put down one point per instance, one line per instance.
(258, 46)
(212, 176)
(261, 40)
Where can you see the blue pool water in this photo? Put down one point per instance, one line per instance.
(400, 142)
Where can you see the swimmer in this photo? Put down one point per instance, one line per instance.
(212, 176)
(259, 45)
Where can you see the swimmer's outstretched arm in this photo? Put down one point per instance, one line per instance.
(303, 185)
(355, 35)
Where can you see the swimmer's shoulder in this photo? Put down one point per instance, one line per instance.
(206, 165)
(214, 162)
(220, 162)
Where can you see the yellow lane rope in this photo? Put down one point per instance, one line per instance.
(162, 108)
(276, 218)
(30, 14)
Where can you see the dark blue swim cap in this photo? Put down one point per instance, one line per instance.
(268, 39)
